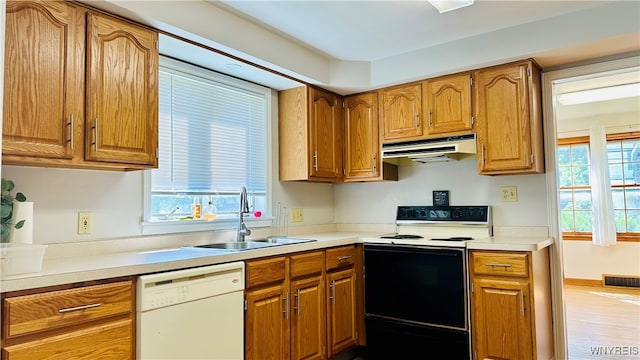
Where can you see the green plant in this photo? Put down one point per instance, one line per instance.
(7, 209)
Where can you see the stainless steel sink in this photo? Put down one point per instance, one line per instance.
(283, 240)
(255, 244)
(244, 245)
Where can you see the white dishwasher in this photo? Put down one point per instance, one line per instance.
(191, 314)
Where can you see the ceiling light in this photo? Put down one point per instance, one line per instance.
(601, 94)
(448, 5)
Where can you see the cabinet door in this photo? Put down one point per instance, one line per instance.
(43, 69)
(503, 116)
(308, 321)
(122, 92)
(325, 139)
(501, 319)
(362, 137)
(401, 114)
(448, 104)
(341, 318)
(267, 323)
(107, 341)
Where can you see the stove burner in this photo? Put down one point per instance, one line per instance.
(454, 238)
(401, 236)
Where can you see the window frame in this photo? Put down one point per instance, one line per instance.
(587, 236)
(156, 227)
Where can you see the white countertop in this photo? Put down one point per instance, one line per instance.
(59, 271)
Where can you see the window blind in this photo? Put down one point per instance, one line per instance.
(212, 133)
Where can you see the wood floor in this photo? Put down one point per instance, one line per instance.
(602, 322)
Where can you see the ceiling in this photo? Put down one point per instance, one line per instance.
(368, 30)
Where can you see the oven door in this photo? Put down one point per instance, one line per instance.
(424, 285)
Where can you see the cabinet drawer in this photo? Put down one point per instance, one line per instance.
(111, 340)
(306, 264)
(341, 256)
(56, 309)
(265, 271)
(502, 264)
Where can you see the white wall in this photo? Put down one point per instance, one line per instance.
(377, 202)
(583, 260)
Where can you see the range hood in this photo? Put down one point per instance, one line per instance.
(430, 150)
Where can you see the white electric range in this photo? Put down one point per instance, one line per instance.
(416, 282)
(443, 226)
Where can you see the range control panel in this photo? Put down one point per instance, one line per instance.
(466, 214)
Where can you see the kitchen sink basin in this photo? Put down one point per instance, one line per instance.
(283, 240)
(244, 245)
(254, 244)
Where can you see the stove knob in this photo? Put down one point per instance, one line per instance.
(456, 214)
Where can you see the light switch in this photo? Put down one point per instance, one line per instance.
(508, 193)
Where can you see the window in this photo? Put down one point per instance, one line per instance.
(624, 170)
(213, 139)
(623, 157)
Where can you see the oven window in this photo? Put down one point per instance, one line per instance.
(416, 284)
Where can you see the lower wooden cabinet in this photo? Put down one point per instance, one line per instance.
(88, 322)
(343, 296)
(511, 305)
(343, 332)
(304, 305)
(264, 306)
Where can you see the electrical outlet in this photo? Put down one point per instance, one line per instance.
(84, 223)
(296, 215)
(508, 193)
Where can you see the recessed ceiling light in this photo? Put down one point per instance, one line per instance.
(601, 94)
(448, 5)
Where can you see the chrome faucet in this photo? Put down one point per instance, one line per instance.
(243, 231)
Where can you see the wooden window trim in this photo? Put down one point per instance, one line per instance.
(573, 140)
(586, 236)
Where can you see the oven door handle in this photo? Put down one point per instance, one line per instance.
(452, 252)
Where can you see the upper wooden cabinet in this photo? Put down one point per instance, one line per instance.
(122, 92)
(401, 113)
(447, 105)
(43, 87)
(362, 160)
(508, 118)
(48, 121)
(310, 128)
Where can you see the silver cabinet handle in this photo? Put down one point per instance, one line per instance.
(315, 161)
(429, 118)
(333, 292)
(70, 141)
(344, 258)
(297, 305)
(417, 120)
(498, 264)
(95, 134)
(78, 308)
(373, 162)
(286, 306)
